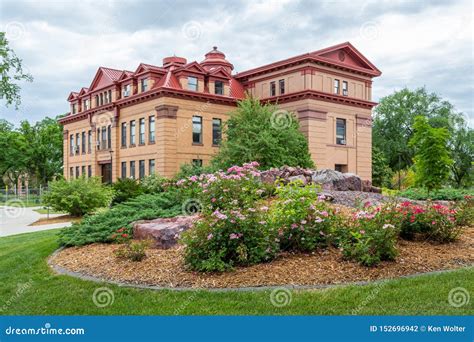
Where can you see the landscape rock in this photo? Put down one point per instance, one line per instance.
(163, 232)
(337, 181)
(301, 178)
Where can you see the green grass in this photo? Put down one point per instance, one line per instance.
(51, 211)
(23, 260)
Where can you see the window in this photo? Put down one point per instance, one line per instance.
(101, 96)
(197, 130)
(151, 166)
(197, 162)
(86, 104)
(104, 138)
(106, 96)
(73, 109)
(71, 145)
(83, 142)
(126, 90)
(77, 171)
(97, 100)
(124, 170)
(141, 132)
(109, 136)
(219, 87)
(340, 168)
(273, 89)
(110, 95)
(124, 134)
(71, 172)
(141, 169)
(344, 88)
(216, 131)
(151, 129)
(89, 141)
(132, 133)
(144, 84)
(341, 131)
(132, 169)
(98, 138)
(78, 143)
(281, 84)
(83, 170)
(89, 171)
(192, 83)
(336, 86)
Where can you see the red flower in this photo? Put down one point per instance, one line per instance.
(121, 229)
(125, 235)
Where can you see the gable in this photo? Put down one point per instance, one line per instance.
(104, 77)
(220, 73)
(192, 67)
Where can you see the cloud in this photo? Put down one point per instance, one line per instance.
(62, 43)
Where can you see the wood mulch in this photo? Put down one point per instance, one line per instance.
(326, 267)
(55, 219)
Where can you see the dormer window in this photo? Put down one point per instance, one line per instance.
(86, 104)
(219, 87)
(192, 83)
(144, 84)
(101, 97)
(126, 90)
(73, 109)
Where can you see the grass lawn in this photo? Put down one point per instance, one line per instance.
(51, 211)
(23, 260)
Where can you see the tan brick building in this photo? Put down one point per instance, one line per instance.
(131, 124)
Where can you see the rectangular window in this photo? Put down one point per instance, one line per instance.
(101, 96)
(281, 84)
(144, 84)
(132, 133)
(132, 169)
(151, 129)
(109, 137)
(71, 172)
(71, 145)
(124, 134)
(336, 86)
(89, 141)
(219, 87)
(106, 97)
(73, 109)
(192, 83)
(141, 169)
(110, 95)
(340, 131)
(78, 143)
(344, 88)
(86, 104)
(273, 91)
(98, 138)
(89, 171)
(151, 166)
(83, 171)
(341, 168)
(83, 142)
(197, 130)
(77, 172)
(141, 132)
(124, 170)
(197, 162)
(104, 138)
(216, 131)
(97, 101)
(126, 90)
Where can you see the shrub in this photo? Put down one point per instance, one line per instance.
(302, 221)
(100, 227)
(371, 235)
(155, 183)
(465, 212)
(444, 194)
(78, 196)
(125, 189)
(132, 250)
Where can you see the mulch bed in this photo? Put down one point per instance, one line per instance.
(326, 267)
(55, 219)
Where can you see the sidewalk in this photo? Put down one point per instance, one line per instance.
(17, 220)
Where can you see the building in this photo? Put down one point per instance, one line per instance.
(153, 119)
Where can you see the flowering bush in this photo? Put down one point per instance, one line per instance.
(434, 221)
(371, 235)
(301, 220)
(132, 250)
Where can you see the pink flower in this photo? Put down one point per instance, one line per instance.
(303, 222)
(325, 213)
(294, 226)
(280, 232)
(210, 236)
(321, 233)
(264, 208)
(318, 219)
(433, 223)
(213, 200)
(263, 222)
(234, 236)
(362, 232)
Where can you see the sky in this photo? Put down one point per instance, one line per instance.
(62, 43)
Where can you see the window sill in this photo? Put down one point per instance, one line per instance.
(216, 145)
(123, 146)
(141, 144)
(198, 144)
(132, 145)
(339, 145)
(151, 142)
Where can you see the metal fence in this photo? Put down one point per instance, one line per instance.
(28, 196)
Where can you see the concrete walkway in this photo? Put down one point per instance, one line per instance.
(17, 220)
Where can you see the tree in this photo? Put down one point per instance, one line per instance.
(262, 133)
(381, 172)
(432, 160)
(12, 71)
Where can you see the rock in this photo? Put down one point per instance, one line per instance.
(164, 232)
(298, 178)
(326, 196)
(335, 180)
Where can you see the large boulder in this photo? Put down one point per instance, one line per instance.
(335, 180)
(163, 232)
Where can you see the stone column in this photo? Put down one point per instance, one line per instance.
(166, 140)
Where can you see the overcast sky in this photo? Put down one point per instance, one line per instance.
(62, 43)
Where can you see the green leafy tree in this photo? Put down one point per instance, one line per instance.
(432, 160)
(462, 152)
(381, 172)
(78, 196)
(13, 152)
(262, 133)
(12, 72)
